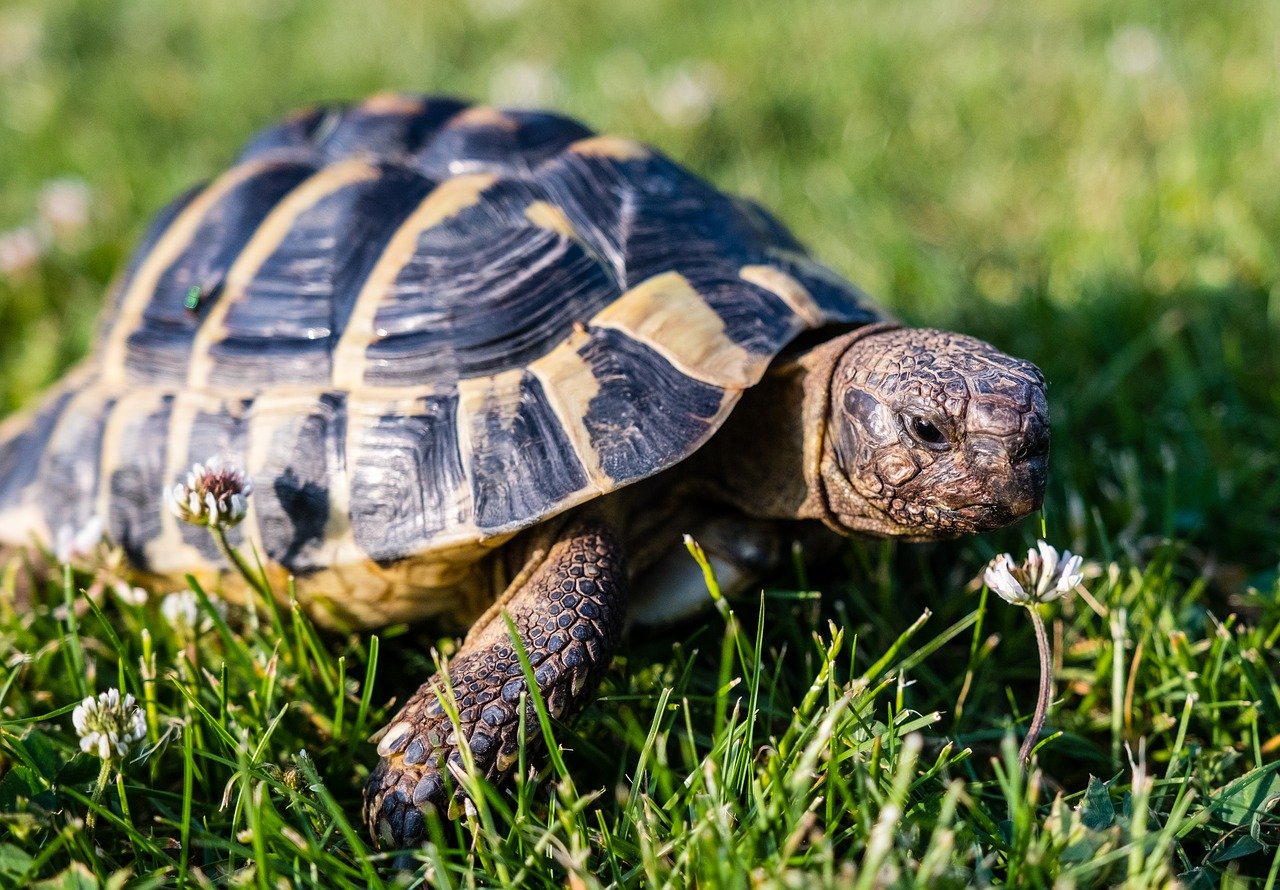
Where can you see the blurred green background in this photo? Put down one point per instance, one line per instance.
(1093, 185)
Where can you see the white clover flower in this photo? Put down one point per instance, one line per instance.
(496, 10)
(128, 593)
(1134, 50)
(181, 610)
(21, 37)
(64, 206)
(523, 83)
(72, 545)
(109, 725)
(20, 252)
(215, 494)
(687, 93)
(1043, 577)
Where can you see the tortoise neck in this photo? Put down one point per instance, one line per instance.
(766, 461)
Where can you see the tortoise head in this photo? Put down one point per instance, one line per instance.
(931, 435)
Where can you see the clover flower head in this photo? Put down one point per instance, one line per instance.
(129, 594)
(20, 252)
(109, 724)
(181, 610)
(72, 544)
(1044, 576)
(64, 206)
(214, 493)
(294, 777)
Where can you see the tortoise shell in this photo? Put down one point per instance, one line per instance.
(418, 324)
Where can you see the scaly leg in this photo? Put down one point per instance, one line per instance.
(568, 613)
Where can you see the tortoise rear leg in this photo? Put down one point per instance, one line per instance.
(568, 611)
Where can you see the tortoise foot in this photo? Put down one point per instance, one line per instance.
(568, 615)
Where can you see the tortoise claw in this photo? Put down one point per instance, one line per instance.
(396, 803)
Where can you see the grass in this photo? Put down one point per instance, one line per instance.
(768, 747)
(1095, 186)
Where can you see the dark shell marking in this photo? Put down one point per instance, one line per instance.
(419, 324)
(302, 295)
(20, 455)
(408, 483)
(136, 446)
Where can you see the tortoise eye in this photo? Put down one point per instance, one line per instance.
(926, 432)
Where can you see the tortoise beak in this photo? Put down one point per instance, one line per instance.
(1010, 470)
(1026, 493)
(1027, 469)
(1031, 464)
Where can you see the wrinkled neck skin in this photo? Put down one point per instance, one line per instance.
(767, 461)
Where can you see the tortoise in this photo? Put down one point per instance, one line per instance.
(482, 363)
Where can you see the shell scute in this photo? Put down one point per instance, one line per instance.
(408, 483)
(646, 414)
(135, 450)
(70, 460)
(21, 450)
(521, 457)
(158, 349)
(299, 452)
(468, 304)
(281, 325)
(486, 140)
(384, 126)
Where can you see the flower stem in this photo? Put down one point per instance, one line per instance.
(124, 801)
(91, 818)
(257, 586)
(1046, 686)
(148, 664)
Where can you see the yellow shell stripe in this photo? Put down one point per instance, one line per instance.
(616, 148)
(546, 215)
(167, 249)
(268, 237)
(787, 289)
(483, 116)
(391, 103)
(668, 315)
(444, 201)
(447, 199)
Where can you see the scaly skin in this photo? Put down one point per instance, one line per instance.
(569, 615)
(983, 457)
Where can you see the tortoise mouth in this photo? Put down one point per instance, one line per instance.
(918, 514)
(997, 504)
(1004, 503)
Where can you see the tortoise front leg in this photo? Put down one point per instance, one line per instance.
(568, 611)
